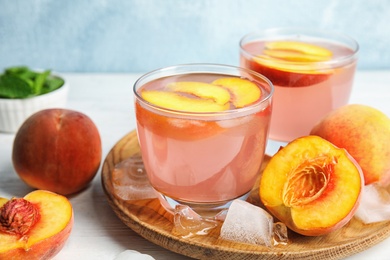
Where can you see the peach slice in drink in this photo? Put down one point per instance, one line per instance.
(244, 91)
(175, 101)
(174, 97)
(303, 51)
(292, 63)
(203, 90)
(198, 97)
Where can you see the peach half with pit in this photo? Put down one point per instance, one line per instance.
(293, 63)
(312, 186)
(34, 227)
(364, 132)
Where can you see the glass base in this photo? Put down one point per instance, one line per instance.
(205, 210)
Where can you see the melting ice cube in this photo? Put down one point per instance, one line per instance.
(374, 204)
(130, 181)
(247, 223)
(188, 223)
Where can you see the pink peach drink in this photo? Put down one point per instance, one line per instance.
(202, 134)
(312, 73)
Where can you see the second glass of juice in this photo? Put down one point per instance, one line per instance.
(202, 130)
(312, 71)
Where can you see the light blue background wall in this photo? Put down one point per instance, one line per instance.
(141, 35)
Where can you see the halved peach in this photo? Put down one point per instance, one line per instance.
(244, 92)
(47, 223)
(175, 101)
(203, 90)
(312, 186)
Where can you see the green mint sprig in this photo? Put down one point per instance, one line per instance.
(22, 82)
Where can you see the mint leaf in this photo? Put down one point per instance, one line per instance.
(14, 87)
(21, 82)
(40, 79)
(17, 70)
(52, 83)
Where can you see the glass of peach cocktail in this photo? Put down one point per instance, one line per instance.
(312, 72)
(202, 130)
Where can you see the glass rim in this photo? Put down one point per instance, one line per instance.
(329, 35)
(215, 66)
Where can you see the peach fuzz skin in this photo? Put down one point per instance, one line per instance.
(365, 133)
(57, 150)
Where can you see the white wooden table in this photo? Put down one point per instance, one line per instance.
(108, 100)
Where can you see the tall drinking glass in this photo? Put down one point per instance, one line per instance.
(312, 71)
(202, 130)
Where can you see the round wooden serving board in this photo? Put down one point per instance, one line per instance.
(149, 219)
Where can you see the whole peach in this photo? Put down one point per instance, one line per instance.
(57, 150)
(365, 133)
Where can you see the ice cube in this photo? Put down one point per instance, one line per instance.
(188, 223)
(130, 181)
(244, 120)
(247, 223)
(374, 204)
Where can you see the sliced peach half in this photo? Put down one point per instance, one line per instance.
(312, 186)
(175, 101)
(244, 92)
(203, 90)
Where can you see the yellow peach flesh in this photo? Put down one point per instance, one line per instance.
(293, 56)
(3, 201)
(335, 196)
(244, 91)
(55, 214)
(303, 47)
(175, 101)
(203, 90)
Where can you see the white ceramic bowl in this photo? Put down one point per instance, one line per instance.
(13, 112)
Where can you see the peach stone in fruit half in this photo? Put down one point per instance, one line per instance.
(244, 91)
(312, 186)
(34, 227)
(365, 133)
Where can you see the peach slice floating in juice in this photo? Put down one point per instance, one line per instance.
(175, 101)
(203, 90)
(176, 128)
(244, 91)
(301, 49)
(292, 63)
